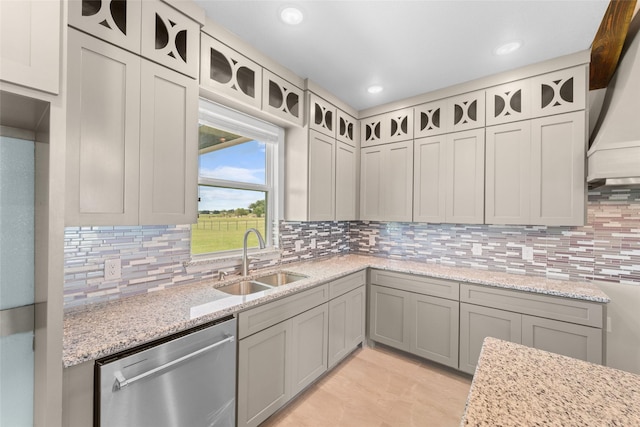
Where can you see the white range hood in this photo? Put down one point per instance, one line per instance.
(614, 155)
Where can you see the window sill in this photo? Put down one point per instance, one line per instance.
(204, 262)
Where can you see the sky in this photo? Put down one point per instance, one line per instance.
(244, 163)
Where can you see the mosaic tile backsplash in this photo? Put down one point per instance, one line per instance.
(154, 257)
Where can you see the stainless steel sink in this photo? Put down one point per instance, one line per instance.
(280, 278)
(245, 287)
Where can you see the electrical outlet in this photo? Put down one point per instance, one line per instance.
(527, 253)
(112, 269)
(476, 249)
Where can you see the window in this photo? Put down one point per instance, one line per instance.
(238, 180)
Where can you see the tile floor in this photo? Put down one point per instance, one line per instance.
(379, 387)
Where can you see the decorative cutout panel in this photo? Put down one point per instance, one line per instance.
(346, 130)
(398, 125)
(466, 111)
(430, 119)
(559, 92)
(371, 131)
(115, 21)
(225, 71)
(509, 102)
(282, 98)
(321, 115)
(170, 38)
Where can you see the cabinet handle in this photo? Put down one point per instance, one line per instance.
(122, 382)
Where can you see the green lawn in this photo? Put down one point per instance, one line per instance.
(213, 233)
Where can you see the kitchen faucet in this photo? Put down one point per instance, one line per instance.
(245, 259)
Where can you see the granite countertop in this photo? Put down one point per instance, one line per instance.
(99, 330)
(519, 386)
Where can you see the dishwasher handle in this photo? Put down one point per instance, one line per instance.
(122, 382)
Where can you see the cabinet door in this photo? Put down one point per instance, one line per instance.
(371, 169)
(465, 177)
(114, 21)
(347, 129)
(170, 38)
(322, 173)
(435, 329)
(398, 126)
(389, 321)
(346, 182)
(281, 98)
(477, 323)
(577, 341)
(430, 119)
(508, 170)
(309, 347)
(371, 131)
(465, 111)
(346, 324)
(225, 71)
(429, 179)
(30, 43)
(322, 115)
(558, 185)
(103, 119)
(168, 147)
(509, 102)
(397, 181)
(263, 373)
(559, 92)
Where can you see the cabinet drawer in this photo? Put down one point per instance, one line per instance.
(419, 284)
(345, 284)
(558, 308)
(259, 318)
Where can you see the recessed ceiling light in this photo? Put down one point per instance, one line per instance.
(507, 48)
(291, 15)
(374, 89)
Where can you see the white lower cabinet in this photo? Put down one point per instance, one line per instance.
(421, 324)
(346, 324)
(558, 325)
(477, 323)
(309, 347)
(263, 373)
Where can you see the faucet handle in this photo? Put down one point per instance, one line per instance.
(222, 274)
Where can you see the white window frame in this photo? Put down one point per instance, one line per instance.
(217, 116)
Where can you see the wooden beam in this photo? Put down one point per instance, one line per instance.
(608, 42)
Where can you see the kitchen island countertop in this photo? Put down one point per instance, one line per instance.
(515, 385)
(98, 330)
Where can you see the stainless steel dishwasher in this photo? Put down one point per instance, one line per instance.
(186, 380)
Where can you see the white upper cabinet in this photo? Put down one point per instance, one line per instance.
(558, 195)
(117, 22)
(559, 92)
(464, 163)
(508, 172)
(281, 98)
(322, 115)
(347, 129)
(103, 131)
(430, 119)
(509, 102)
(346, 182)
(170, 38)
(394, 126)
(30, 44)
(465, 111)
(225, 71)
(429, 177)
(386, 183)
(168, 147)
(322, 184)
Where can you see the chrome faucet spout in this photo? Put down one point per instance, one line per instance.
(245, 258)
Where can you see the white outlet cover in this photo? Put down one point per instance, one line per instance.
(112, 269)
(476, 249)
(527, 253)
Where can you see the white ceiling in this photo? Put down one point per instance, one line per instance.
(409, 47)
